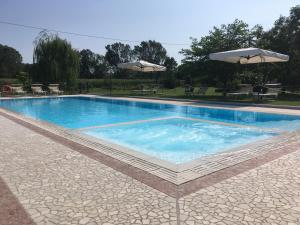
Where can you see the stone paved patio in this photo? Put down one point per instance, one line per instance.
(269, 194)
(57, 185)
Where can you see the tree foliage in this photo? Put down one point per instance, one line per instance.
(10, 61)
(92, 65)
(151, 51)
(118, 53)
(284, 37)
(55, 60)
(226, 37)
(170, 63)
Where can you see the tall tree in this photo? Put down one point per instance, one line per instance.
(55, 60)
(226, 37)
(101, 66)
(223, 38)
(10, 61)
(284, 37)
(151, 51)
(87, 59)
(92, 65)
(170, 63)
(118, 53)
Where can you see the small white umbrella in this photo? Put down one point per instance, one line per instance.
(249, 56)
(142, 66)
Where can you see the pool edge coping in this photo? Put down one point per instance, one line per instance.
(178, 102)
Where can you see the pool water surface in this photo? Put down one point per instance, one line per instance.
(174, 133)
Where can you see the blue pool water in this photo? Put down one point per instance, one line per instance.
(179, 140)
(176, 140)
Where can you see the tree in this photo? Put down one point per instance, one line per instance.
(226, 37)
(10, 62)
(92, 65)
(118, 53)
(151, 51)
(87, 60)
(168, 78)
(101, 66)
(170, 63)
(284, 37)
(55, 60)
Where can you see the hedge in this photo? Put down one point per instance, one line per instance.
(125, 84)
(4, 81)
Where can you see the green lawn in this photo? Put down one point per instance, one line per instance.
(210, 95)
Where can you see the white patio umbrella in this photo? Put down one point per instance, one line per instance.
(249, 56)
(142, 66)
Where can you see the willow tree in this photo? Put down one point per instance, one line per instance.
(55, 60)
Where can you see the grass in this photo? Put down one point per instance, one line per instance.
(210, 95)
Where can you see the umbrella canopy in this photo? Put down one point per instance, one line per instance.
(142, 66)
(249, 56)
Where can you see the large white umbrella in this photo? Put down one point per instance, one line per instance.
(249, 56)
(142, 66)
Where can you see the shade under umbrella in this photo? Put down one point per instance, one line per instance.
(142, 66)
(249, 56)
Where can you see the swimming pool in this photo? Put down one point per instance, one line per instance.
(175, 133)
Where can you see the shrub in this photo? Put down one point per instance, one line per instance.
(4, 81)
(169, 82)
(233, 85)
(24, 79)
(125, 84)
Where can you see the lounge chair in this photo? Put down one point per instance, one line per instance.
(202, 90)
(6, 90)
(189, 90)
(272, 93)
(142, 90)
(54, 89)
(273, 90)
(245, 90)
(17, 90)
(37, 89)
(267, 92)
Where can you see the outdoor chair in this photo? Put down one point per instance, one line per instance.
(155, 89)
(37, 89)
(272, 94)
(54, 89)
(245, 90)
(202, 90)
(189, 91)
(12, 90)
(266, 93)
(17, 90)
(142, 90)
(6, 90)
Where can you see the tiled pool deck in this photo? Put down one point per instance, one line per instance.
(48, 178)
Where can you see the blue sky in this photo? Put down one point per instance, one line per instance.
(172, 21)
